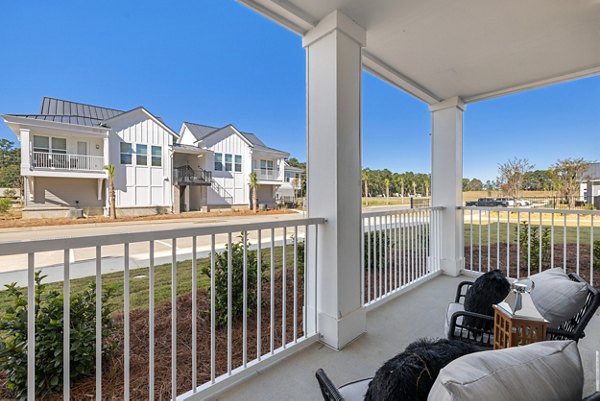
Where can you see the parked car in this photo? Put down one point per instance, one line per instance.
(489, 202)
(507, 202)
(522, 202)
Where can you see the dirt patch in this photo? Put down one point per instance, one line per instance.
(112, 379)
(559, 260)
(13, 220)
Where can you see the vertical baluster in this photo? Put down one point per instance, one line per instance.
(362, 260)
(245, 300)
(284, 289)
(384, 253)
(489, 233)
(98, 323)
(578, 223)
(213, 289)
(151, 322)
(296, 284)
(591, 248)
(540, 232)
(126, 318)
(31, 326)
(229, 303)
(194, 316)
(565, 242)
(508, 244)
(518, 244)
(498, 239)
(66, 326)
(315, 276)
(272, 297)
(471, 239)
(403, 248)
(528, 244)
(369, 267)
(380, 278)
(480, 212)
(174, 319)
(552, 239)
(259, 293)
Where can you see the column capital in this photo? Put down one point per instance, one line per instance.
(336, 21)
(453, 102)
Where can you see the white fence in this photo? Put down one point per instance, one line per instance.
(524, 241)
(400, 247)
(67, 161)
(246, 341)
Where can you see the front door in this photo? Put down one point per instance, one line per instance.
(82, 160)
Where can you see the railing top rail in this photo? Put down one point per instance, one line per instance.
(531, 210)
(66, 154)
(53, 244)
(399, 211)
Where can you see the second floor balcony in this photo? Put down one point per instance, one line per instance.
(66, 162)
(188, 176)
(268, 175)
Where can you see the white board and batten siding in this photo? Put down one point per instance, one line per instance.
(143, 185)
(235, 183)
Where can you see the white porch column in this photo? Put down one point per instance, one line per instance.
(446, 179)
(334, 167)
(26, 147)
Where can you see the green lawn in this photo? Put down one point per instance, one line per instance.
(138, 284)
(491, 230)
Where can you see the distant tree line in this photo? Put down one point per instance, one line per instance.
(384, 183)
(10, 165)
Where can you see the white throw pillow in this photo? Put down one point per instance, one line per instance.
(545, 371)
(556, 296)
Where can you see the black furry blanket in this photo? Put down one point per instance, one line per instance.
(489, 289)
(410, 375)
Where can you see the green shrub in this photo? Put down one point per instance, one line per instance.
(237, 282)
(49, 337)
(535, 246)
(5, 205)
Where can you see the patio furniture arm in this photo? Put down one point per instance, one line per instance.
(328, 389)
(459, 293)
(475, 335)
(593, 397)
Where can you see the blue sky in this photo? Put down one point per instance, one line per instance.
(217, 62)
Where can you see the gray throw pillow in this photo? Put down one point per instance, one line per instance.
(545, 371)
(556, 296)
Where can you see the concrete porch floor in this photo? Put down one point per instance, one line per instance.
(391, 327)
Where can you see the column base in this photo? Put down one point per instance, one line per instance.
(452, 267)
(337, 333)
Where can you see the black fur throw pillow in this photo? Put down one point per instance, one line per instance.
(410, 375)
(489, 289)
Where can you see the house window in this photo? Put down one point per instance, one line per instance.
(266, 165)
(126, 152)
(238, 163)
(59, 145)
(218, 162)
(156, 156)
(41, 144)
(141, 155)
(228, 162)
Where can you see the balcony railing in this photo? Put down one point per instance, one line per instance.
(525, 241)
(267, 175)
(203, 310)
(66, 161)
(187, 176)
(400, 247)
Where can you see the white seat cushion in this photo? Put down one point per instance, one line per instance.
(545, 371)
(355, 391)
(556, 296)
(452, 308)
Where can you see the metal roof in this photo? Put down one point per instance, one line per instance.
(202, 132)
(58, 107)
(592, 173)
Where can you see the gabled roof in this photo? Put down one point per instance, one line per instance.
(157, 120)
(81, 114)
(201, 132)
(592, 173)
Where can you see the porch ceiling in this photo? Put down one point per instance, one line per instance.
(436, 49)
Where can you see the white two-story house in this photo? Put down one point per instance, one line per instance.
(66, 146)
(231, 156)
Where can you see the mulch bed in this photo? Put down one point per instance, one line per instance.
(113, 382)
(571, 260)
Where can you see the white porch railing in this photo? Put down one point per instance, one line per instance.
(524, 241)
(220, 354)
(400, 247)
(267, 175)
(67, 161)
